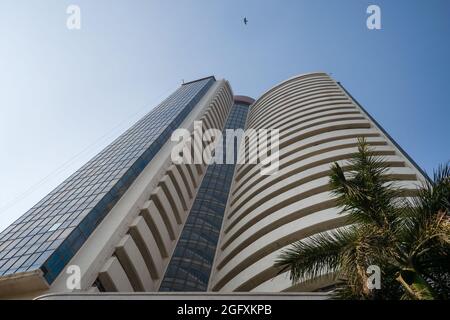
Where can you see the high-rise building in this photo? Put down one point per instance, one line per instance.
(134, 220)
(319, 124)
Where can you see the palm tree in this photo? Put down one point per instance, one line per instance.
(408, 240)
(423, 250)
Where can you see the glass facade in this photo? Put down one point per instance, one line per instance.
(49, 234)
(190, 266)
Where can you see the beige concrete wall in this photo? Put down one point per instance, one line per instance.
(188, 296)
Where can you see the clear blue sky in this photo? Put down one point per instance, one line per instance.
(64, 95)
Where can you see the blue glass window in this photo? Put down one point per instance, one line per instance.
(49, 234)
(190, 266)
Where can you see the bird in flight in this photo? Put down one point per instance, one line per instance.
(245, 21)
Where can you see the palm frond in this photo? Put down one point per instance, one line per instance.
(315, 256)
